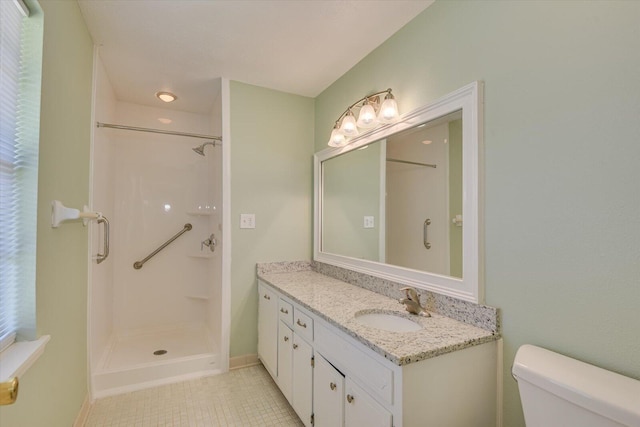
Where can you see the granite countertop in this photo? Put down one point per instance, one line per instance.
(337, 302)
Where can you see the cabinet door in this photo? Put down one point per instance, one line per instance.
(302, 379)
(285, 359)
(268, 329)
(328, 394)
(361, 410)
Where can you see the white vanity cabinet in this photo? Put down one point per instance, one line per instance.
(295, 359)
(328, 394)
(268, 328)
(285, 348)
(338, 401)
(333, 379)
(362, 410)
(302, 374)
(285, 360)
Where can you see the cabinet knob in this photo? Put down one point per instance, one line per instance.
(282, 310)
(266, 296)
(304, 325)
(295, 346)
(286, 338)
(332, 385)
(350, 398)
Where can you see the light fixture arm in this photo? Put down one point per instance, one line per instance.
(374, 99)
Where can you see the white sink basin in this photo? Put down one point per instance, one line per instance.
(387, 322)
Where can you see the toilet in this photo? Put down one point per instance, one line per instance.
(557, 391)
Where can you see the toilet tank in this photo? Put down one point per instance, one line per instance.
(557, 391)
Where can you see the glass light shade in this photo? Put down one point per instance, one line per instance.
(337, 139)
(388, 110)
(367, 117)
(166, 96)
(348, 126)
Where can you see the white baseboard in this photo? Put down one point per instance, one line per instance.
(243, 361)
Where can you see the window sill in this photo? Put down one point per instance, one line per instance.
(19, 356)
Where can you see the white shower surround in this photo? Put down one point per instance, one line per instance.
(149, 186)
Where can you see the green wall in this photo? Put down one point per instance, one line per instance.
(271, 177)
(561, 160)
(52, 391)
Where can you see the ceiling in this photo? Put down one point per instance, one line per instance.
(184, 46)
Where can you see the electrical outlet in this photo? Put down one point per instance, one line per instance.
(247, 220)
(368, 222)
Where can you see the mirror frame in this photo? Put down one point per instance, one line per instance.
(470, 287)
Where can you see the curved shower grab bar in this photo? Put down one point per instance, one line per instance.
(138, 264)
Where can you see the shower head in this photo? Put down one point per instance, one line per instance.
(200, 148)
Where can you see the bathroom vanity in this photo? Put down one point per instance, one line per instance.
(338, 368)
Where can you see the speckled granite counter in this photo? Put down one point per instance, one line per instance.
(337, 302)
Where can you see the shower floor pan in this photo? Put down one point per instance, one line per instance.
(143, 359)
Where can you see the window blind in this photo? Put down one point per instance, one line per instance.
(20, 77)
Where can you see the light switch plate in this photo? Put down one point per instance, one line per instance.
(368, 222)
(247, 220)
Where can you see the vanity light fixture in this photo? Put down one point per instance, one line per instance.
(337, 138)
(372, 113)
(367, 116)
(389, 110)
(348, 126)
(166, 96)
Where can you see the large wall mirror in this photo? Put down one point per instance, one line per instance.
(402, 202)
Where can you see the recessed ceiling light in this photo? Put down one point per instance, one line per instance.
(166, 96)
(427, 142)
(165, 121)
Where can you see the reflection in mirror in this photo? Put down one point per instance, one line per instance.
(351, 192)
(394, 200)
(424, 196)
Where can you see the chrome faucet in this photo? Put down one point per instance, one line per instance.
(211, 242)
(412, 302)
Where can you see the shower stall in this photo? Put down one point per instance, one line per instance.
(156, 304)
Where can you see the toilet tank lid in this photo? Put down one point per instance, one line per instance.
(607, 393)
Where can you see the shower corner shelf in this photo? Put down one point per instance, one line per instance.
(200, 297)
(196, 212)
(204, 255)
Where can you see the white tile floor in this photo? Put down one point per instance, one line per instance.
(245, 397)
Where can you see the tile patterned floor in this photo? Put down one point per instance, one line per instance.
(242, 398)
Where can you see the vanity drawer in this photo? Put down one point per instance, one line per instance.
(285, 311)
(303, 324)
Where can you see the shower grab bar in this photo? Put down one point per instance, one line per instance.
(138, 264)
(425, 238)
(102, 256)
